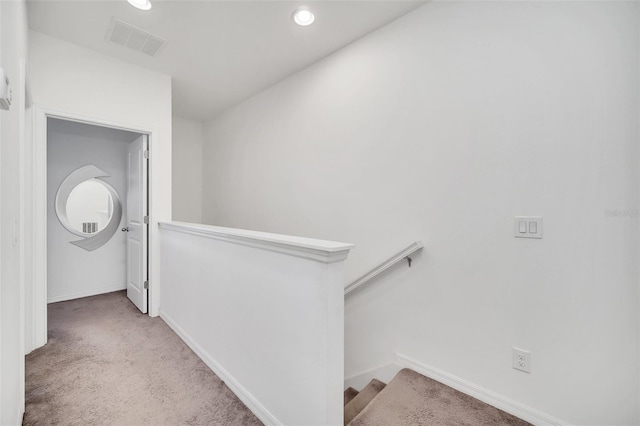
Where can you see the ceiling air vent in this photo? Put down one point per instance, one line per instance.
(119, 32)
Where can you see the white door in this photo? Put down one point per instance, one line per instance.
(135, 225)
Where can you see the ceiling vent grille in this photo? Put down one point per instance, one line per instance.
(119, 32)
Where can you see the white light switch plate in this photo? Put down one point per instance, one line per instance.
(527, 227)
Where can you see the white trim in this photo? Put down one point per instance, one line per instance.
(485, 395)
(39, 231)
(307, 248)
(384, 373)
(21, 233)
(27, 231)
(88, 293)
(414, 247)
(20, 414)
(249, 400)
(40, 208)
(85, 119)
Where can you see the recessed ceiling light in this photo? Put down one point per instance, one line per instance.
(140, 4)
(303, 17)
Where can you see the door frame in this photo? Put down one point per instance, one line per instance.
(36, 326)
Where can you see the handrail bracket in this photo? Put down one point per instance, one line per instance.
(403, 255)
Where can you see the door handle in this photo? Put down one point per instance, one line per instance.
(125, 229)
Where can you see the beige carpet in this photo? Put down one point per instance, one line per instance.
(108, 364)
(362, 399)
(411, 399)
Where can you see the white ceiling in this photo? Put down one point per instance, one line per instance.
(219, 52)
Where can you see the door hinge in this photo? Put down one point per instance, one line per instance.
(146, 284)
(146, 154)
(146, 220)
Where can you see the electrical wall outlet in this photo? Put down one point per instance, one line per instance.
(521, 360)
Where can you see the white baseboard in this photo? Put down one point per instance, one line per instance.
(20, 416)
(485, 395)
(383, 373)
(388, 371)
(82, 294)
(252, 403)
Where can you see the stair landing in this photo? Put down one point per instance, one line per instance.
(411, 399)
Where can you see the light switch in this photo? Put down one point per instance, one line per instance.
(528, 227)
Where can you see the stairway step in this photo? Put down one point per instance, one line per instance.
(411, 399)
(349, 394)
(362, 399)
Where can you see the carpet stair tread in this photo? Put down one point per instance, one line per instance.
(362, 399)
(349, 394)
(411, 399)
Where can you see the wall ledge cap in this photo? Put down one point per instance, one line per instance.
(307, 248)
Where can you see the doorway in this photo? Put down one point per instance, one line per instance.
(97, 212)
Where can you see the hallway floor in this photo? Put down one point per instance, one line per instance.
(107, 364)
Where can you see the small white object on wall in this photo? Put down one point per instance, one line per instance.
(521, 360)
(528, 227)
(5, 91)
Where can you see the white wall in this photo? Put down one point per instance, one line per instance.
(265, 312)
(443, 126)
(74, 80)
(72, 271)
(188, 138)
(13, 54)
